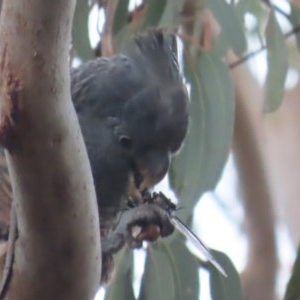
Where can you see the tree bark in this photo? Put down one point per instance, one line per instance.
(259, 276)
(57, 254)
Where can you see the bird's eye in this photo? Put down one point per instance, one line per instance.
(125, 141)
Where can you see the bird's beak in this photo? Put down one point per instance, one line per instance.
(134, 193)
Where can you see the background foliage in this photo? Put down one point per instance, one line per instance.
(215, 39)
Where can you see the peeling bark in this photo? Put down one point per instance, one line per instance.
(57, 254)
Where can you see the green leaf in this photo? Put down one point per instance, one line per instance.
(222, 288)
(158, 281)
(154, 12)
(295, 21)
(247, 6)
(186, 270)
(185, 172)
(242, 7)
(199, 165)
(124, 37)
(257, 10)
(121, 287)
(171, 272)
(80, 35)
(172, 14)
(277, 59)
(293, 287)
(231, 26)
(121, 15)
(219, 109)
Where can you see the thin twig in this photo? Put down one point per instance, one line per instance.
(250, 55)
(276, 8)
(280, 11)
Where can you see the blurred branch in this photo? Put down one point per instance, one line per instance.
(252, 54)
(107, 42)
(260, 273)
(80, 33)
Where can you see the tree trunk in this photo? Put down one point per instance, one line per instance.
(57, 254)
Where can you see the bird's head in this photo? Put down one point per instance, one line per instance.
(153, 127)
(155, 118)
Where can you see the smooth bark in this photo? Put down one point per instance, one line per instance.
(57, 254)
(259, 276)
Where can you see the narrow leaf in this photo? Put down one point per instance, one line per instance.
(121, 15)
(219, 109)
(171, 272)
(199, 165)
(293, 287)
(225, 288)
(121, 287)
(185, 172)
(247, 6)
(172, 14)
(231, 26)
(125, 35)
(80, 35)
(186, 270)
(158, 280)
(295, 21)
(277, 59)
(154, 12)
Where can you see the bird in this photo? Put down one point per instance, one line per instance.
(142, 102)
(132, 109)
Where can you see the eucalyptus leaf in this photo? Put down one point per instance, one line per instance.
(126, 33)
(172, 14)
(186, 270)
(124, 37)
(121, 15)
(247, 6)
(219, 109)
(257, 10)
(230, 24)
(171, 272)
(294, 18)
(154, 12)
(199, 165)
(277, 59)
(221, 45)
(225, 288)
(293, 287)
(121, 287)
(185, 172)
(242, 7)
(80, 35)
(158, 280)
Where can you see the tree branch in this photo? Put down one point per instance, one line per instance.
(57, 255)
(252, 54)
(259, 276)
(108, 48)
